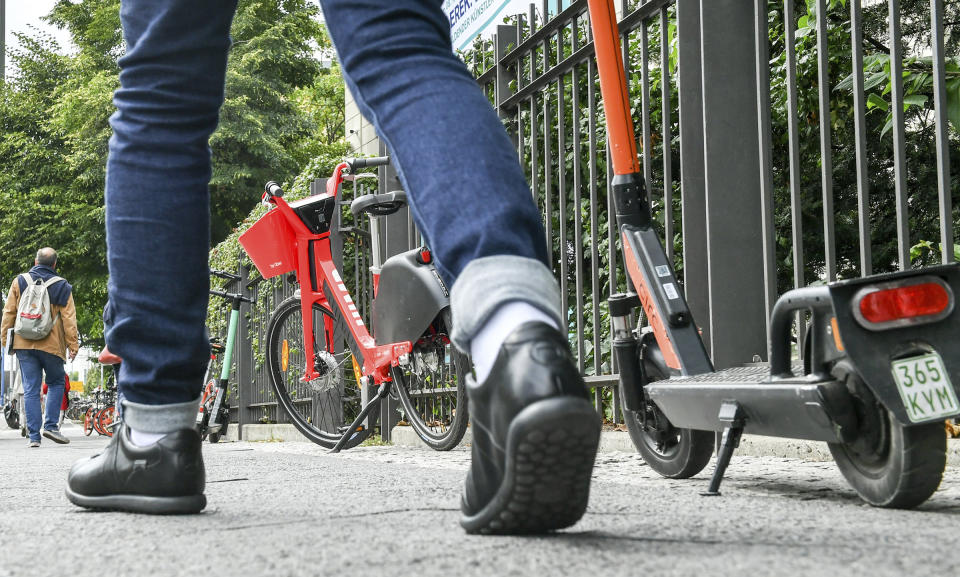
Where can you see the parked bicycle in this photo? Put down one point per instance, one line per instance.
(322, 362)
(213, 415)
(101, 416)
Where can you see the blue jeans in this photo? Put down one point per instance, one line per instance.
(34, 365)
(467, 191)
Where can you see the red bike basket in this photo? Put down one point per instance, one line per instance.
(270, 243)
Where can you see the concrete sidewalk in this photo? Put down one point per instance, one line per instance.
(610, 442)
(292, 509)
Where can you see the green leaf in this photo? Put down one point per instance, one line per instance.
(874, 100)
(953, 103)
(887, 126)
(914, 100)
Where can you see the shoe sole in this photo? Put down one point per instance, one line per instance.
(141, 503)
(60, 440)
(551, 448)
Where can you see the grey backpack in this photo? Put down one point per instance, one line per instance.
(34, 319)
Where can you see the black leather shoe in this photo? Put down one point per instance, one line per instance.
(535, 438)
(164, 478)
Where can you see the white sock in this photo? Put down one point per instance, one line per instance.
(142, 439)
(485, 345)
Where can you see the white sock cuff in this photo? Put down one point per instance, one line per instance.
(487, 283)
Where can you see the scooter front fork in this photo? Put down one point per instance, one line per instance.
(626, 349)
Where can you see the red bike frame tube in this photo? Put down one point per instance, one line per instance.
(613, 87)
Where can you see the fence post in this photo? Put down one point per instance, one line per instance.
(693, 187)
(732, 176)
(244, 352)
(504, 41)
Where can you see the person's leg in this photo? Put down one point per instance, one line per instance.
(470, 200)
(55, 375)
(158, 236)
(31, 374)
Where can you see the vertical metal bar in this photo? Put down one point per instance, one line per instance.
(547, 158)
(666, 130)
(244, 355)
(562, 190)
(860, 129)
(534, 172)
(696, 282)
(532, 15)
(547, 181)
(793, 131)
(594, 222)
(519, 80)
(940, 128)
(577, 197)
(899, 137)
(645, 99)
(534, 168)
(826, 156)
(3, 40)
(765, 131)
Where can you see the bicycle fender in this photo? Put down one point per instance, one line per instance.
(409, 297)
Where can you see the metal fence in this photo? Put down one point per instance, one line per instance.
(773, 167)
(783, 144)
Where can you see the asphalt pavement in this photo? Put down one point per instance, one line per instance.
(290, 509)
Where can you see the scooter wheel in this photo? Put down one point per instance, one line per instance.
(888, 464)
(673, 453)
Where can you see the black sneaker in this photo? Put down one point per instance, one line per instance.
(166, 477)
(535, 438)
(55, 436)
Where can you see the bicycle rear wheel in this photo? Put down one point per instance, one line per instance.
(321, 409)
(432, 387)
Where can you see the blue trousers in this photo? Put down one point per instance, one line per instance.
(467, 191)
(34, 365)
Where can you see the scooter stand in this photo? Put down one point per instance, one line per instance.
(731, 413)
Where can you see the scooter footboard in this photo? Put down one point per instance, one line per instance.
(798, 410)
(902, 333)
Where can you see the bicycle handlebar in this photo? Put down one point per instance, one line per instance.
(231, 296)
(356, 163)
(272, 189)
(225, 275)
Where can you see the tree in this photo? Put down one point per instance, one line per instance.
(54, 132)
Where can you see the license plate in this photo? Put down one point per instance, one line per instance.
(925, 388)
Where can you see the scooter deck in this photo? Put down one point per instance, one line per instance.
(799, 408)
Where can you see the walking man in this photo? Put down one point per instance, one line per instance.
(468, 197)
(41, 336)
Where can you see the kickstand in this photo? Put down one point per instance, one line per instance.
(732, 414)
(351, 430)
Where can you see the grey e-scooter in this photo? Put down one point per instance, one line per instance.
(880, 365)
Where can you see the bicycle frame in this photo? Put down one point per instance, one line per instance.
(321, 284)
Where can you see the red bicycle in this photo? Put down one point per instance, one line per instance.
(322, 361)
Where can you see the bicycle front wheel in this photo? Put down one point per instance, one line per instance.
(321, 409)
(432, 387)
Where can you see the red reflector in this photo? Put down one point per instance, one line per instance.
(919, 300)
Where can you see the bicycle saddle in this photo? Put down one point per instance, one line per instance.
(378, 204)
